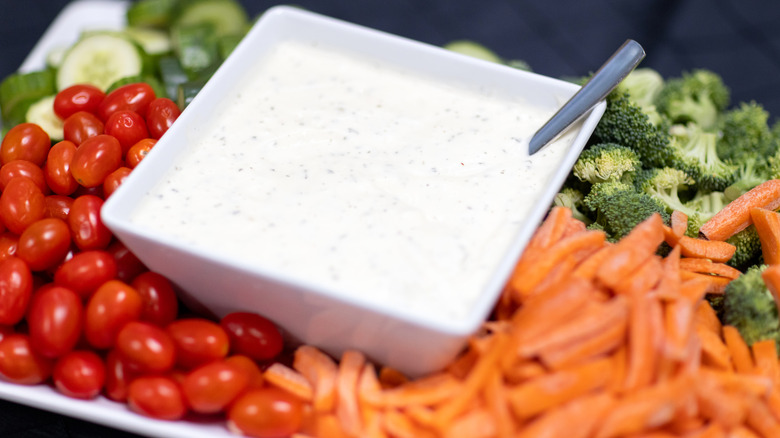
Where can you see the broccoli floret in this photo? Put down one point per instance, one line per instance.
(698, 157)
(572, 199)
(746, 134)
(748, 246)
(749, 306)
(704, 206)
(606, 162)
(699, 96)
(626, 124)
(664, 184)
(618, 207)
(750, 173)
(642, 86)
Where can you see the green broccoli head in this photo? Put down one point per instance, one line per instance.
(626, 124)
(572, 199)
(698, 156)
(750, 307)
(704, 206)
(642, 86)
(750, 173)
(698, 96)
(618, 207)
(748, 246)
(746, 134)
(606, 162)
(665, 184)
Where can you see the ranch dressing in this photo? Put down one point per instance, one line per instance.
(360, 179)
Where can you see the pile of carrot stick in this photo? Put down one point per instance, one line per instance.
(590, 339)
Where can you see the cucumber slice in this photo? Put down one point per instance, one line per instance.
(152, 41)
(100, 59)
(151, 13)
(55, 56)
(42, 114)
(195, 47)
(19, 90)
(227, 17)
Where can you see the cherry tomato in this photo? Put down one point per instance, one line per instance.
(25, 141)
(198, 341)
(5, 331)
(9, 242)
(93, 191)
(58, 206)
(114, 180)
(133, 97)
(16, 286)
(160, 116)
(95, 159)
(56, 171)
(252, 335)
(44, 244)
(79, 97)
(86, 271)
(21, 204)
(145, 347)
(80, 126)
(138, 151)
(127, 264)
(161, 306)
(113, 305)
(210, 388)
(24, 168)
(256, 379)
(79, 374)
(118, 377)
(128, 127)
(157, 397)
(86, 227)
(20, 363)
(55, 319)
(266, 413)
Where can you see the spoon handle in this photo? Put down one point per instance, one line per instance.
(608, 76)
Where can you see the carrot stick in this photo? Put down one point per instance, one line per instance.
(391, 377)
(399, 425)
(368, 386)
(765, 356)
(715, 285)
(679, 223)
(430, 391)
(642, 355)
(347, 407)
(668, 286)
(534, 271)
(735, 216)
(497, 401)
(714, 350)
(550, 231)
(715, 250)
(588, 267)
(720, 406)
(320, 370)
(593, 318)
(632, 250)
(767, 223)
(284, 377)
(742, 432)
(644, 278)
(585, 412)
(477, 423)
(739, 350)
(554, 389)
(585, 349)
(761, 419)
(707, 266)
(707, 318)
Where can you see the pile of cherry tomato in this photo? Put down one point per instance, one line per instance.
(80, 312)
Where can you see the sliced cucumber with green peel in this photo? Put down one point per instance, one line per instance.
(172, 75)
(19, 90)
(196, 47)
(42, 114)
(151, 13)
(100, 59)
(153, 41)
(227, 17)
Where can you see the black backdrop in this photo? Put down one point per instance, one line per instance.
(739, 39)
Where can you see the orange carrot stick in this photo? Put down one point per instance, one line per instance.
(399, 425)
(715, 285)
(761, 420)
(585, 349)
(707, 266)
(320, 370)
(288, 379)
(767, 223)
(347, 407)
(741, 356)
(588, 267)
(542, 312)
(707, 318)
(765, 356)
(545, 392)
(715, 250)
(644, 278)
(430, 391)
(477, 423)
(632, 250)
(735, 216)
(679, 223)
(642, 357)
(714, 350)
(585, 412)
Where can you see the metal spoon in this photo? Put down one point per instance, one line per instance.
(608, 76)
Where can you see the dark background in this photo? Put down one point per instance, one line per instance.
(739, 39)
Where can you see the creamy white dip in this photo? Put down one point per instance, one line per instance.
(369, 182)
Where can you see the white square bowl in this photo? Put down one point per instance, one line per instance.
(396, 334)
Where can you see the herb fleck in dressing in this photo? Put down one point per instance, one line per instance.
(376, 184)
